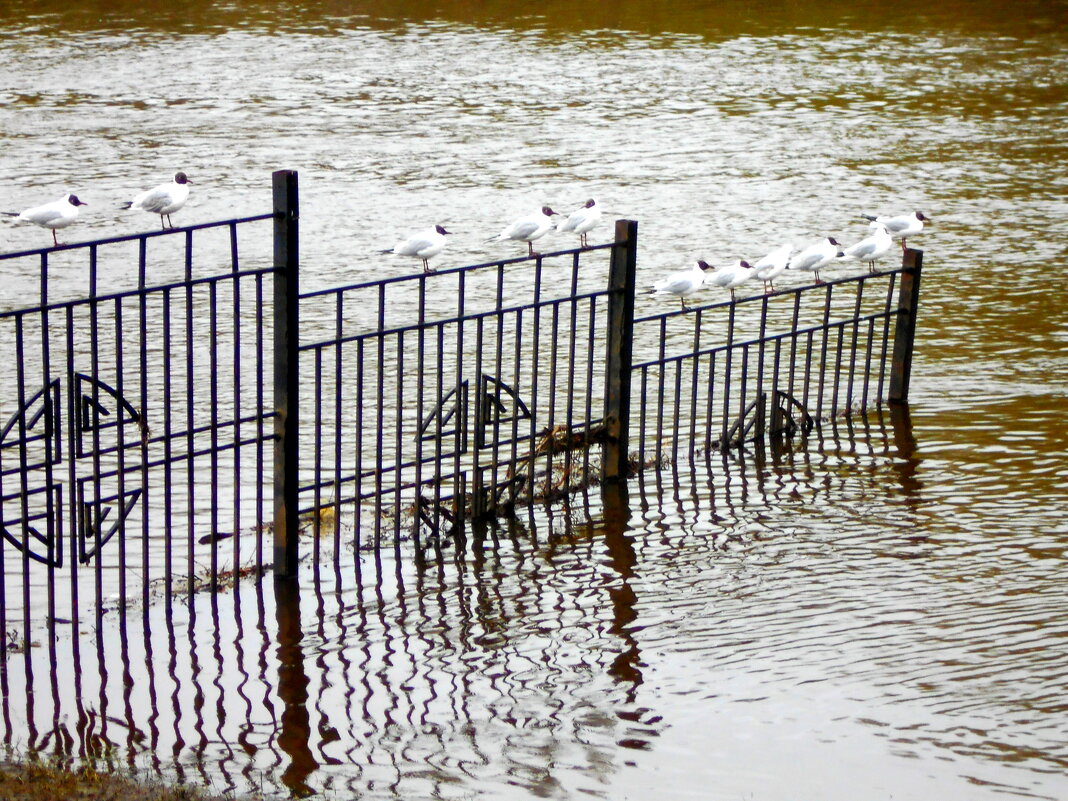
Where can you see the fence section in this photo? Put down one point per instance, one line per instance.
(716, 376)
(440, 397)
(133, 424)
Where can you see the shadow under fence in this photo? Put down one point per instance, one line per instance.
(170, 423)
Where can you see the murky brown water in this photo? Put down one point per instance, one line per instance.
(879, 613)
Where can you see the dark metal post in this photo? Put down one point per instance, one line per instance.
(621, 285)
(905, 331)
(286, 374)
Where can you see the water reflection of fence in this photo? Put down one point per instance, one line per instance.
(452, 681)
(134, 457)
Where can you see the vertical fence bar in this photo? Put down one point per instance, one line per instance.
(905, 331)
(286, 374)
(621, 278)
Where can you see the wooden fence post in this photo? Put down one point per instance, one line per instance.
(905, 330)
(615, 454)
(286, 372)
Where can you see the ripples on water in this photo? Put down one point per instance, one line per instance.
(877, 613)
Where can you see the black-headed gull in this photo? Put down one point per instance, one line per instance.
(528, 228)
(771, 266)
(57, 214)
(903, 226)
(422, 245)
(582, 221)
(731, 276)
(164, 199)
(816, 256)
(683, 283)
(871, 248)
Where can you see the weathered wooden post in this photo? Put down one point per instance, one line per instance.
(621, 280)
(286, 373)
(908, 300)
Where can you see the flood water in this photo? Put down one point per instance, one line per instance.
(877, 612)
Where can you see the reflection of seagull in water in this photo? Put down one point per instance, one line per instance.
(683, 283)
(816, 256)
(870, 248)
(582, 221)
(730, 277)
(901, 227)
(164, 199)
(527, 229)
(422, 245)
(771, 266)
(57, 214)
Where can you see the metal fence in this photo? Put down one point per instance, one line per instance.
(772, 365)
(135, 420)
(174, 402)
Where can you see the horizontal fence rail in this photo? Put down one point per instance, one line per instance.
(177, 413)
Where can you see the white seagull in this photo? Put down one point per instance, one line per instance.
(903, 226)
(164, 199)
(870, 248)
(527, 229)
(683, 283)
(732, 276)
(582, 221)
(57, 214)
(816, 256)
(422, 245)
(772, 265)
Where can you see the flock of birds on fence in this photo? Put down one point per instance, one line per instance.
(424, 245)
(167, 198)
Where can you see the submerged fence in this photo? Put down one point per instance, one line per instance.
(181, 420)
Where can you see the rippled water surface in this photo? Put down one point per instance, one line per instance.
(876, 612)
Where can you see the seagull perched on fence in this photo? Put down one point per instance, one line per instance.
(422, 245)
(582, 221)
(683, 283)
(731, 276)
(772, 265)
(164, 199)
(57, 214)
(870, 248)
(528, 228)
(901, 227)
(816, 256)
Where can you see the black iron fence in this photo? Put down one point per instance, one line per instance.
(177, 412)
(135, 419)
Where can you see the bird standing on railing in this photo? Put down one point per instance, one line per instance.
(771, 266)
(582, 221)
(527, 229)
(683, 283)
(871, 248)
(901, 227)
(57, 214)
(164, 199)
(816, 256)
(731, 276)
(422, 245)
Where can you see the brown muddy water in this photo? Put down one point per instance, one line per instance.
(877, 612)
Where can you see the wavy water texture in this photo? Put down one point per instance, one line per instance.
(876, 611)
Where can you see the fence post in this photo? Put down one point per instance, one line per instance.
(286, 373)
(908, 300)
(615, 454)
